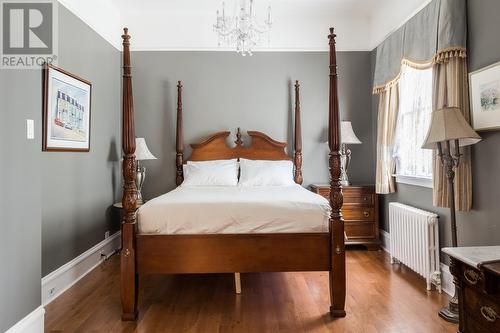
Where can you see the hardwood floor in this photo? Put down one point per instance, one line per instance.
(380, 298)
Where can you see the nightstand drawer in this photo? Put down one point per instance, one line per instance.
(358, 213)
(484, 311)
(360, 199)
(358, 230)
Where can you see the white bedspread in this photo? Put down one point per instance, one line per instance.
(235, 210)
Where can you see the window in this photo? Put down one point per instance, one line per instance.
(413, 164)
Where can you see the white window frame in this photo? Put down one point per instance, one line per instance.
(414, 180)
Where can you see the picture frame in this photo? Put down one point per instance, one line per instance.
(484, 93)
(66, 111)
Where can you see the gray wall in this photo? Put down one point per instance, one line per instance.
(482, 225)
(60, 198)
(223, 91)
(79, 188)
(20, 202)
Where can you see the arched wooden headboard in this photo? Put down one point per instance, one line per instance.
(261, 147)
(215, 147)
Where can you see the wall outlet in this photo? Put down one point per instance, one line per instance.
(106, 235)
(52, 291)
(30, 129)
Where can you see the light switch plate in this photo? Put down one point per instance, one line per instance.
(30, 129)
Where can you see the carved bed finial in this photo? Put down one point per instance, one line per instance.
(238, 141)
(179, 141)
(297, 159)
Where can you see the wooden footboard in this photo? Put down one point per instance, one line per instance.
(228, 253)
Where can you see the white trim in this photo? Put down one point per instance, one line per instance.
(32, 323)
(385, 241)
(57, 282)
(447, 280)
(413, 180)
(229, 49)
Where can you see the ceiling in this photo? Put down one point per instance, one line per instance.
(299, 25)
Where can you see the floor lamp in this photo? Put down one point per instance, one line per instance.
(447, 133)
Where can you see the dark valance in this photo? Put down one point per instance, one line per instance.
(437, 32)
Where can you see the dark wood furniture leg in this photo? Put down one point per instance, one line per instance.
(129, 200)
(179, 143)
(298, 137)
(337, 271)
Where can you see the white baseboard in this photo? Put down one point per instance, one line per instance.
(32, 323)
(447, 280)
(385, 241)
(57, 282)
(446, 277)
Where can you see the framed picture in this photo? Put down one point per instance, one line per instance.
(485, 98)
(66, 111)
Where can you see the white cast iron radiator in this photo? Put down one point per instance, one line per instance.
(414, 237)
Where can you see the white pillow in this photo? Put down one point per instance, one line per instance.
(266, 173)
(211, 173)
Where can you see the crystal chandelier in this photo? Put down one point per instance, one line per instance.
(244, 29)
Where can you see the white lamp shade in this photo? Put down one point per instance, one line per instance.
(141, 150)
(347, 134)
(449, 124)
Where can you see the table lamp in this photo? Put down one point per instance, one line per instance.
(448, 132)
(142, 153)
(347, 136)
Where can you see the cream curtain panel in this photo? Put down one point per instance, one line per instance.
(386, 132)
(450, 88)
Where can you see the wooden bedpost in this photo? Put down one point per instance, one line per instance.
(337, 272)
(298, 137)
(129, 199)
(179, 141)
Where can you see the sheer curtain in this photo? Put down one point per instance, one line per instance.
(415, 107)
(386, 125)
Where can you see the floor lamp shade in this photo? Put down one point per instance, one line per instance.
(448, 124)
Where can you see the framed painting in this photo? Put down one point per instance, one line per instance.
(66, 111)
(484, 86)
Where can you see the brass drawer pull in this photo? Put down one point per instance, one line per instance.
(489, 314)
(366, 214)
(472, 276)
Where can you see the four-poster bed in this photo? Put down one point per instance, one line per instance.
(231, 252)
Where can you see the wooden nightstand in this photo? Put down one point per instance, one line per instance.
(117, 209)
(360, 211)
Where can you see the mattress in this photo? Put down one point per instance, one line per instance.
(235, 210)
